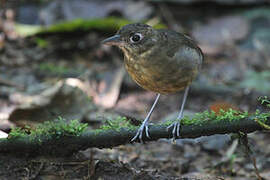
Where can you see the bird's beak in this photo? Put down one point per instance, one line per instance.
(114, 40)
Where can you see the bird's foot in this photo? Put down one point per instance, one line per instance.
(176, 129)
(139, 134)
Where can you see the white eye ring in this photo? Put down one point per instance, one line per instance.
(136, 37)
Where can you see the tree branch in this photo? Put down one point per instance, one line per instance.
(108, 138)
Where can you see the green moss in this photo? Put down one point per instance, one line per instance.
(117, 124)
(231, 115)
(110, 24)
(51, 129)
(211, 116)
(263, 117)
(42, 43)
(264, 100)
(17, 132)
(207, 117)
(60, 127)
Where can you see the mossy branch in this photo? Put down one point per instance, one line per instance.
(61, 140)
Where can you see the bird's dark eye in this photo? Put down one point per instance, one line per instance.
(136, 37)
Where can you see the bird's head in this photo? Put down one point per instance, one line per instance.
(134, 38)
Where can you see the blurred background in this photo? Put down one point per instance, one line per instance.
(53, 64)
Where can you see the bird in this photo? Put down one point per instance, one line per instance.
(159, 60)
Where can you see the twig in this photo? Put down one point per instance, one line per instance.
(65, 145)
(244, 141)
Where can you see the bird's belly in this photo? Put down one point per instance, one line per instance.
(159, 79)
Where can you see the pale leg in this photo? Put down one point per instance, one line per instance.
(144, 125)
(176, 125)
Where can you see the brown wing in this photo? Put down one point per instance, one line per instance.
(184, 56)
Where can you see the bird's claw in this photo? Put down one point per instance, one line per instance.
(176, 129)
(139, 134)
